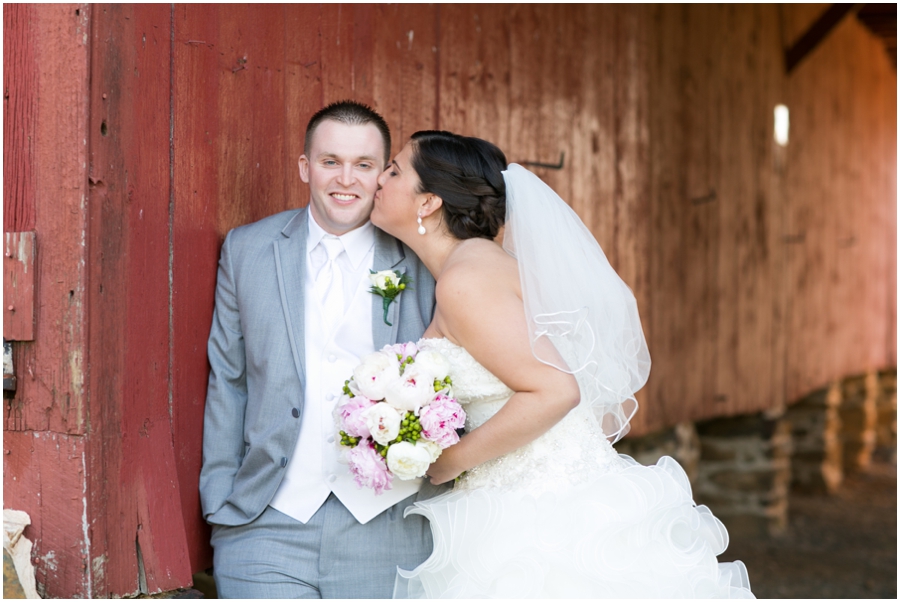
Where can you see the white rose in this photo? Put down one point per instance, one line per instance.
(383, 422)
(433, 362)
(375, 373)
(381, 279)
(434, 450)
(408, 461)
(412, 390)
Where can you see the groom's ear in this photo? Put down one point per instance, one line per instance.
(432, 203)
(303, 164)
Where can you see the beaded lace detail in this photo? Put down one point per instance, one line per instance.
(564, 456)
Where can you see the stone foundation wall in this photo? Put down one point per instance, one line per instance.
(744, 467)
(886, 424)
(817, 462)
(859, 417)
(680, 442)
(744, 472)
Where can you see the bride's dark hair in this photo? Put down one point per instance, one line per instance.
(467, 174)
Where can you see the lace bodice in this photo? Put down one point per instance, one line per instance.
(563, 456)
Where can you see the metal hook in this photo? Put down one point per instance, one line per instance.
(562, 157)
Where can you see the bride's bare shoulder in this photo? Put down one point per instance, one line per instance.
(479, 266)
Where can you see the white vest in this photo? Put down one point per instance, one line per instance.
(314, 470)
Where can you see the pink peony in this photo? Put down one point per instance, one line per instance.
(402, 349)
(440, 419)
(351, 416)
(369, 469)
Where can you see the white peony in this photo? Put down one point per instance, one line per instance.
(434, 450)
(408, 461)
(433, 362)
(381, 279)
(383, 422)
(412, 390)
(375, 374)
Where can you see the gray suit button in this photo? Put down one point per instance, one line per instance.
(332, 478)
(283, 462)
(295, 413)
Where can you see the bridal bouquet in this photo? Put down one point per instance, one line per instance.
(397, 414)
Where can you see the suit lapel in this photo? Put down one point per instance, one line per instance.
(290, 265)
(388, 256)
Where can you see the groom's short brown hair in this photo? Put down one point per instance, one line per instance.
(349, 112)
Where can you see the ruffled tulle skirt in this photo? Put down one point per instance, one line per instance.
(632, 532)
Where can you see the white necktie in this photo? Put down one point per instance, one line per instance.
(330, 284)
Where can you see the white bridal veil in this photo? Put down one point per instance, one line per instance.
(575, 300)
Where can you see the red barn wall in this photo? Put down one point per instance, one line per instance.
(45, 431)
(156, 129)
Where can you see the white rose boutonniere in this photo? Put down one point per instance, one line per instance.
(387, 284)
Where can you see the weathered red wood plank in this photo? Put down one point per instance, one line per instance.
(250, 113)
(195, 248)
(386, 79)
(134, 479)
(44, 475)
(303, 91)
(405, 56)
(667, 386)
(741, 374)
(525, 62)
(336, 59)
(50, 370)
(474, 71)
(19, 117)
(46, 71)
(491, 99)
(418, 68)
(363, 71)
(19, 276)
(632, 241)
(888, 218)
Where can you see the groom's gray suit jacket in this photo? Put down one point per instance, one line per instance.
(254, 403)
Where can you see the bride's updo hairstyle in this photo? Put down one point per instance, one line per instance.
(467, 174)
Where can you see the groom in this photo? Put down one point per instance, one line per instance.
(293, 316)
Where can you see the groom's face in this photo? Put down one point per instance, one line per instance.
(342, 171)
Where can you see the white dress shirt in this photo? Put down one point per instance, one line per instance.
(314, 470)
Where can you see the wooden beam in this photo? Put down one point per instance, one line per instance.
(815, 34)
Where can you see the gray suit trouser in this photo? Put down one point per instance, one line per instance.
(331, 556)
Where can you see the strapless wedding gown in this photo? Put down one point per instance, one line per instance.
(565, 517)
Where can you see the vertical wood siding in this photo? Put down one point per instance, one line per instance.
(133, 468)
(46, 424)
(761, 272)
(841, 189)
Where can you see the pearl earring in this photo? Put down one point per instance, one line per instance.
(421, 227)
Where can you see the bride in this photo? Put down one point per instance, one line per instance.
(546, 353)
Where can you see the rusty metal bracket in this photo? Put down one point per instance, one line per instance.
(562, 158)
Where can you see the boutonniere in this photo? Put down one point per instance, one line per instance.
(387, 284)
